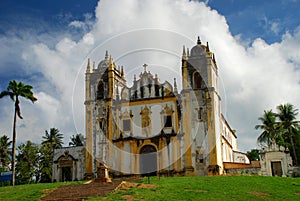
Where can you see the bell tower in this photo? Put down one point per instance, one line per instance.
(201, 105)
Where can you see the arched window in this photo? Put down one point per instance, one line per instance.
(197, 80)
(167, 117)
(100, 91)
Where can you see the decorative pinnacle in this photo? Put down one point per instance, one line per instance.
(183, 51)
(106, 55)
(122, 72)
(175, 85)
(207, 47)
(198, 41)
(184, 56)
(88, 68)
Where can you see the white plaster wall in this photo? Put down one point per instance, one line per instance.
(126, 157)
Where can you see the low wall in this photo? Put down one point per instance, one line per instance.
(242, 168)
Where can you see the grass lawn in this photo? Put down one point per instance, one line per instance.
(29, 192)
(181, 188)
(211, 188)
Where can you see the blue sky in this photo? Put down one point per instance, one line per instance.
(46, 44)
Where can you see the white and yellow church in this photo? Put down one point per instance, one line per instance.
(149, 127)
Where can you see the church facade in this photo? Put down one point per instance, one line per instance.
(149, 127)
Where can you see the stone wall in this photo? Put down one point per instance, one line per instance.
(241, 168)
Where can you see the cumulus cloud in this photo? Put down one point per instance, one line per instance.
(254, 76)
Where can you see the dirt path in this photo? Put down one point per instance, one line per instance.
(78, 192)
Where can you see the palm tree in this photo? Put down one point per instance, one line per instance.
(288, 125)
(14, 91)
(5, 151)
(54, 138)
(269, 134)
(77, 140)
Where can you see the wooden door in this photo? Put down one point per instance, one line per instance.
(276, 168)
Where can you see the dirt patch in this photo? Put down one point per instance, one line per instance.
(78, 192)
(259, 193)
(127, 185)
(196, 190)
(47, 191)
(128, 197)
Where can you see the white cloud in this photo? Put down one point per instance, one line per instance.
(77, 24)
(256, 77)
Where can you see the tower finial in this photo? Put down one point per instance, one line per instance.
(106, 55)
(207, 47)
(122, 72)
(111, 64)
(198, 41)
(175, 86)
(184, 56)
(88, 68)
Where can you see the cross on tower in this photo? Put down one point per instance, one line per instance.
(145, 66)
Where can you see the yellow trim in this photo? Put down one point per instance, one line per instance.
(150, 101)
(144, 144)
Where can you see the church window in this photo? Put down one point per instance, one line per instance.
(101, 124)
(197, 80)
(126, 119)
(167, 117)
(199, 113)
(126, 125)
(201, 158)
(168, 121)
(100, 91)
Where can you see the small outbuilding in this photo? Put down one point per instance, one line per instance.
(275, 161)
(68, 164)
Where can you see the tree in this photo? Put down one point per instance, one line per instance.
(77, 140)
(14, 91)
(52, 141)
(269, 134)
(54, 138)
(253, 155)
(45, 163)
(288, 126)
(27, 163)
(5, 152)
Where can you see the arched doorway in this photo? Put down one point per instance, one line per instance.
(148, 160)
